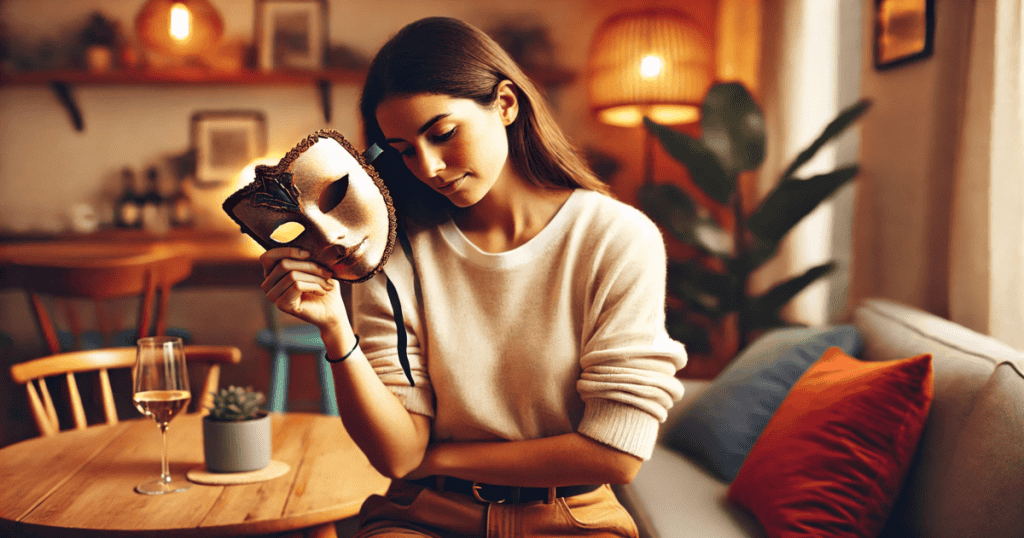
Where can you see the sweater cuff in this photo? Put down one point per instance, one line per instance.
(621, 426)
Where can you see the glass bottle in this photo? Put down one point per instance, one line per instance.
(155, 217)
(180, 205)
(128, 208)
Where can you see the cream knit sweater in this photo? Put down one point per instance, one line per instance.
(564, 333)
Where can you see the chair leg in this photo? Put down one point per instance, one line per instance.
(278, 382)
(328, 401)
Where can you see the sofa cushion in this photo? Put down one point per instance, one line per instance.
(718, 428)
(981, 493)
(672, 496)
(833, 457)
(963, 362)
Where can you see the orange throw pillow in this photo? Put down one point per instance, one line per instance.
(833, 457)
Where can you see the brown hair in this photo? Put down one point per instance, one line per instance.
(441, 55)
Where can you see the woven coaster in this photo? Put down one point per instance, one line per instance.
(200, 475)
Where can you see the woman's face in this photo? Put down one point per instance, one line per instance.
(456, 146)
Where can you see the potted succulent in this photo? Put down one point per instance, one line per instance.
(236, 432)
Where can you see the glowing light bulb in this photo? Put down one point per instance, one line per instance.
(181, 22)
(650, 66)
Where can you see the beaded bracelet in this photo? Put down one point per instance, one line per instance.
(336, 361)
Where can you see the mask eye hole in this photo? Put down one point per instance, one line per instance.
(333, 194)
(287, 232)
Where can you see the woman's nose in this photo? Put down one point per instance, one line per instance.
(429, 163)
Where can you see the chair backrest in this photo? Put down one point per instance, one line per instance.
(147, 276)
(33, 375)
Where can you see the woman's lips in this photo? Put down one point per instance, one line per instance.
(452, 186)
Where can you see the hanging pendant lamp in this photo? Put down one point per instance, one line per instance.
(651, 62)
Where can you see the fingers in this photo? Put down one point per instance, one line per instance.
(295, 283)
(282, 267)
(271, 257)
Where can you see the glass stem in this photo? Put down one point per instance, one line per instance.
(165, 473)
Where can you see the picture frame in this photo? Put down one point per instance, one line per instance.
(904, 32)
(224, 142)
(291, 34)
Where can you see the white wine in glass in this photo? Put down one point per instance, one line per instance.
(161, 391)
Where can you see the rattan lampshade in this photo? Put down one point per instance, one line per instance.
(651, 62)
(178, 27)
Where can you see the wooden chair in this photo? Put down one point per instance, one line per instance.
(33, 375)
(102, 279)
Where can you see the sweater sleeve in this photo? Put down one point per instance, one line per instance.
(374, 322)
(628, 362)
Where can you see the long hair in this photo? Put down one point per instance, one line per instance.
(445, 56)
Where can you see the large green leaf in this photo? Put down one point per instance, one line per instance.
(732, 127)
(760, 251)
(678, 327)
(671, 207)
(832, 130)
(765, 309)
(792, 200)
(706, 292)
(704, 167)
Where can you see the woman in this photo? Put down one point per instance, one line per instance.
(533, 306)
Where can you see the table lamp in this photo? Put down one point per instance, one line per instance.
(651, 62)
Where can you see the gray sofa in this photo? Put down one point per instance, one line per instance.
(966, 479)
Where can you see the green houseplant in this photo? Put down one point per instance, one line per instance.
(236, 432)
(715, 282)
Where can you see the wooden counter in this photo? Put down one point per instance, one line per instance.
(220, 258)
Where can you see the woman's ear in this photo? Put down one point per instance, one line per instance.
(508, 102)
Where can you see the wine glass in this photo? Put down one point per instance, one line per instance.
(161, 391)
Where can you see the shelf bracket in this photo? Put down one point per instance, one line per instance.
(63, 92)
(325, 98)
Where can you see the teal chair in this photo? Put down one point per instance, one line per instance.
(281, 343)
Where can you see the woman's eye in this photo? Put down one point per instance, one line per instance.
(407, 152)
(445, 136)
(333, 194)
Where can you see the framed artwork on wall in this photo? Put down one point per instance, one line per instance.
(904, 31)
(291, 34)
(224, 142)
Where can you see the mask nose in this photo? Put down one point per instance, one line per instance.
(326, 232)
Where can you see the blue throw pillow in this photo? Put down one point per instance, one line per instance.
(720, 426)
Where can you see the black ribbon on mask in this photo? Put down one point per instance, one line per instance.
(403, 337)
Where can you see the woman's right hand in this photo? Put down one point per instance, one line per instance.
(302, 288)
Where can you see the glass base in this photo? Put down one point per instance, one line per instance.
(160, 487)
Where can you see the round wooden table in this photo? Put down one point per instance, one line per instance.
(80, 482)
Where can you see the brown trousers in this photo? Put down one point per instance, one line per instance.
(412, 510)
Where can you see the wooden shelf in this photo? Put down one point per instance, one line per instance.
(61, 81)
(543, 77)
(182, 77)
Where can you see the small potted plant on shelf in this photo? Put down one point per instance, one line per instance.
(236, 432)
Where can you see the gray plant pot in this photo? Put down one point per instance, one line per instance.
(236, 446)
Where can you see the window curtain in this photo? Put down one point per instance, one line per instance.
(986, 290)
(811, 70)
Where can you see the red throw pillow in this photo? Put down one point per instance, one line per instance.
(833, 457)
